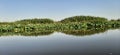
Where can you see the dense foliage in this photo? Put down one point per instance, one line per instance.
(35, 21)
(72, 23)
(83, 19)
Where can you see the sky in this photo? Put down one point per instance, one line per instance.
(12, 10)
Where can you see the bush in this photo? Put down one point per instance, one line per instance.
(83, 19)
(35, 21)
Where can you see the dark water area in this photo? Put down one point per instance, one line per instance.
(62, 43)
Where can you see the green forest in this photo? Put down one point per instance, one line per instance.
(70, 23)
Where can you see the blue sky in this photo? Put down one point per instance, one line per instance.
(11, 10)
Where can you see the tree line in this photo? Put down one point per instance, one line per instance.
(66, 20)
(70, 23)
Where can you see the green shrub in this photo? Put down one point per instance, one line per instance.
(83, 19)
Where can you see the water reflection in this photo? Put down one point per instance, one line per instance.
(41, 33)
(82, 32)
(60, 44)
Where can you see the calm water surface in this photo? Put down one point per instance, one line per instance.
(106, 43)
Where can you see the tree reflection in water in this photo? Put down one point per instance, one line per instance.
(82, 32)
